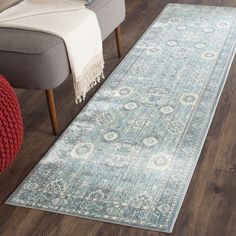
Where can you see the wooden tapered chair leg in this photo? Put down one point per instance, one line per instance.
(119, 40)
(52, 110)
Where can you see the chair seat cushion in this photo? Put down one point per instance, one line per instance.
(30, 42)
(110, 13)
(37, 60)
(31, 59)
(5, 4)
(87, 2)
(97, 4)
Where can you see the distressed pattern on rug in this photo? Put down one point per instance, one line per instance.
(128, 157)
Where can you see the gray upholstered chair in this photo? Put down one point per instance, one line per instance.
(35, 60)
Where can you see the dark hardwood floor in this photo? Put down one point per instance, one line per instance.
(209, 207)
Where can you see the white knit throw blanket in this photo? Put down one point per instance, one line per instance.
(76, 25)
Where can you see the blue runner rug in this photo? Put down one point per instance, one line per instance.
(129, 156)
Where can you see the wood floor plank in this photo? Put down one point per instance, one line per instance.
(216, 212)
(225, 158)
(209, 207)
(13, 231)
(69, 225)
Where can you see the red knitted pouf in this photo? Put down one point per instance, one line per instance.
(11, 127)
